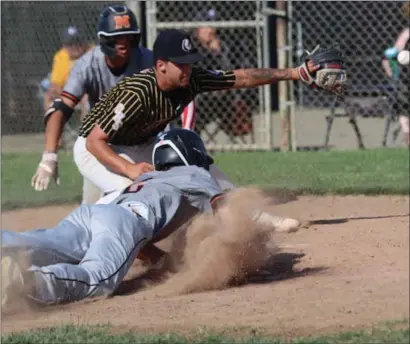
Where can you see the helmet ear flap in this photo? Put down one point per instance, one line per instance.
(165, 157)
(107, 45)
(202, 159)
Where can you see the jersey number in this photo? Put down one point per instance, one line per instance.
(119, 116)
(134, 187)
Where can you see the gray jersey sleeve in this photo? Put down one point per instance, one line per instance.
(200, 189)
(77, 79)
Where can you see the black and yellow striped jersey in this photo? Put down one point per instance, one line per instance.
(137, 109)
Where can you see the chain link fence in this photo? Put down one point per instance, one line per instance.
(231, 37)
(363, 30)
(230, 34)
(31, 33)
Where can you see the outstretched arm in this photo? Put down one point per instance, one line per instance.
(215, 80)
(323, 68)
(253, 77)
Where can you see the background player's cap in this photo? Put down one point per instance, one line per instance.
(71, 36)
(175, 46)
(207, 14)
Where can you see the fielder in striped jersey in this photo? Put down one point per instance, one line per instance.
(133, 113)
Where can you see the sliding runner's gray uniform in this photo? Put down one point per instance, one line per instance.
(90, 251)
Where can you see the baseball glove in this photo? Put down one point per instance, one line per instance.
(331, 73)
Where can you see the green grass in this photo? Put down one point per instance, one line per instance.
(348, 172)
(16, 190)
(341, 172)
(102, 334)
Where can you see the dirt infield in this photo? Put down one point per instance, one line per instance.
(349, 269)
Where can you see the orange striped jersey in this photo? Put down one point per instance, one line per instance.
(136, 109)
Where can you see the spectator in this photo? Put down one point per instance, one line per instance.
(401, 74)
(73, 47)
(228, 106)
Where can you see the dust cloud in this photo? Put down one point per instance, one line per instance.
(219, 250)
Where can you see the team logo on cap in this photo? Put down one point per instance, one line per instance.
(186, 45)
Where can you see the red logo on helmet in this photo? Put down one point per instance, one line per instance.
(122, 22)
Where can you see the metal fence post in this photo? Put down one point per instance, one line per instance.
(291, 96)
(267, 109)
(282, 86)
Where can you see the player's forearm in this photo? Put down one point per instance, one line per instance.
(53, 131)
(386, 67)
(106, 156)
(59, 111)
(253, 77)
(402, 39)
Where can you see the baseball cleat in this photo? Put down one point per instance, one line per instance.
(280, 224)
(12, 282)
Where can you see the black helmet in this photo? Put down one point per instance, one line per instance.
(178, 147)
(116, 20)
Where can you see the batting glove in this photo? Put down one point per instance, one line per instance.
(47, 168)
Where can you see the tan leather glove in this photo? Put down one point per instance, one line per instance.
(47, 169)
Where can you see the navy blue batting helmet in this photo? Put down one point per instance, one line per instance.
(179, 147)
(114, 21)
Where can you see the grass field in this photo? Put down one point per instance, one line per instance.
(101, 334)
(347, 172)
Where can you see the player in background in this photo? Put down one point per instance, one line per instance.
(400, 74)
(90, 251)
(73, 47)
(118, 55)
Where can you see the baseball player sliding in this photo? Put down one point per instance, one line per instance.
(90, 251)
(116, 138)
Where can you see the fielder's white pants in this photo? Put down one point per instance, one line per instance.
(109, 182)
